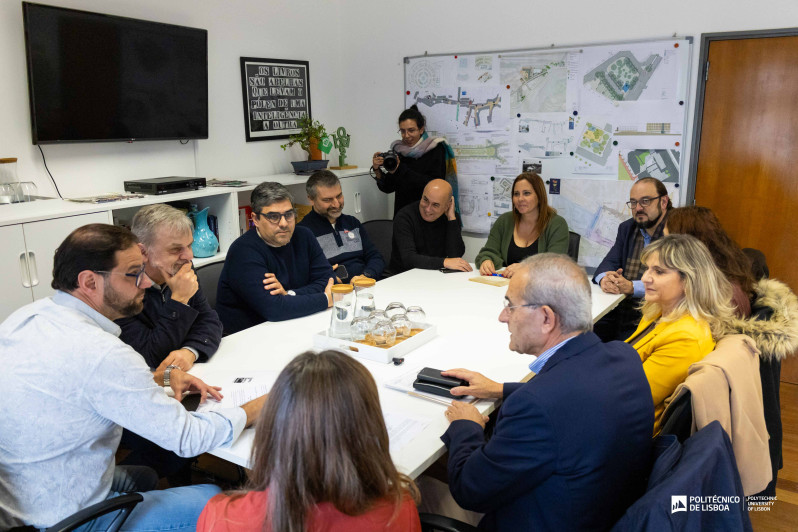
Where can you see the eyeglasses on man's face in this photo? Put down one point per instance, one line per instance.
(643, 202)
(510, 308)
(274, 217)
(138, 276)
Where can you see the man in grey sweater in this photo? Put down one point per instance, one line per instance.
(70, 385)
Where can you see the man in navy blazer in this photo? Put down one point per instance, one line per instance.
(621, 271)
(571, 448)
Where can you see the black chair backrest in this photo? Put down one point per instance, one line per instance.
(380, 232)
(208, 278)
(680, 418)
(124, 504)
(573, 245)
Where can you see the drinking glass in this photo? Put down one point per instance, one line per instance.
(417, 316)
(7, 193)
(25, 191)
(360, 329)
(395, 308)
(383, 334)
(402, 325)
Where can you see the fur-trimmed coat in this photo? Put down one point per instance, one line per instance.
(776, 336)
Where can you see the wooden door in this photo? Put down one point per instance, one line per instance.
(747, 169)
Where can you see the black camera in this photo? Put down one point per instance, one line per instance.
(389, 160)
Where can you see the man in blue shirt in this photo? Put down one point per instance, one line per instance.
(341, 237)
(621, 271)
(275, 271)
(581, 424)
(71, 385)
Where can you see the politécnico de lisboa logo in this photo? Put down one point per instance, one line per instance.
(678, 503)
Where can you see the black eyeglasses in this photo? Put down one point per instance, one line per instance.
(645, 202)
(274, 217)
(408, 131)
(138, 276)
(510, 308)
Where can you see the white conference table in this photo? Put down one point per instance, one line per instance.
(469, 336)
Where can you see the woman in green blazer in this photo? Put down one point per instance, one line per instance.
(532, 227)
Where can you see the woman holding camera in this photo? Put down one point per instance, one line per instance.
(419, 159)
(320, 458)
(531, 227)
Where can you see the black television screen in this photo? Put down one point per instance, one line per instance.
(94, 77)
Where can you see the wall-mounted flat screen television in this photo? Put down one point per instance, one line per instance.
(95, 77)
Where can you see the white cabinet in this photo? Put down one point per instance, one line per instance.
(14, 277)
(363, 199)
(31, 232)
(27, 268)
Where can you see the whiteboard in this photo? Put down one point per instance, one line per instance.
(594, 117)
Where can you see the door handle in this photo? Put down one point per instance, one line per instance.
(357, 202)
(23, 269)
(34, 274)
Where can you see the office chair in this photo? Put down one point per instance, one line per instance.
(208, 278)
(380, 232)
(435, 522)
(124, 504)
(573, 245)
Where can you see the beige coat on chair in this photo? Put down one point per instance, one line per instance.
(725, 386)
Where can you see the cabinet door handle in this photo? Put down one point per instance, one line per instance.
(23, 269)
(34, 274)
(357, 202)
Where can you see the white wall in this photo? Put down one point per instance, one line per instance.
(296, 29)
(355, 49)
(374, 50)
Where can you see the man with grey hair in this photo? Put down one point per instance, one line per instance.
(177, 326)
(275, 271)
(582, 423)
(341, 236)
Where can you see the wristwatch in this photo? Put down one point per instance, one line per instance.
(167, 373)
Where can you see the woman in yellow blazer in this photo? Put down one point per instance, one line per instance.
(686, 301)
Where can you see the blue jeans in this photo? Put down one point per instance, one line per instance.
(173, 509)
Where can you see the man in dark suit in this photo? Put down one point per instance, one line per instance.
(620, 271)
(572, 447)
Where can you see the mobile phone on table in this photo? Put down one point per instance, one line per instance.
(448, 270)
(341, 272)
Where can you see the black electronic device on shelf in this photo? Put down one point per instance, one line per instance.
(164, 185)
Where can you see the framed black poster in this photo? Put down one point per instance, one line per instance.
(276, 96)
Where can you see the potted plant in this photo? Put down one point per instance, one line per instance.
(310, 133)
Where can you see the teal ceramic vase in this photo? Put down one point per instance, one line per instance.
(205, 242)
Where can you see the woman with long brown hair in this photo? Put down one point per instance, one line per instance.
(320, 458)
(532, 227)
(702, 223)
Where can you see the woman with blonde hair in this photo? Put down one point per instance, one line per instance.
(531, 227)
(687, 301)
(320, 458)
